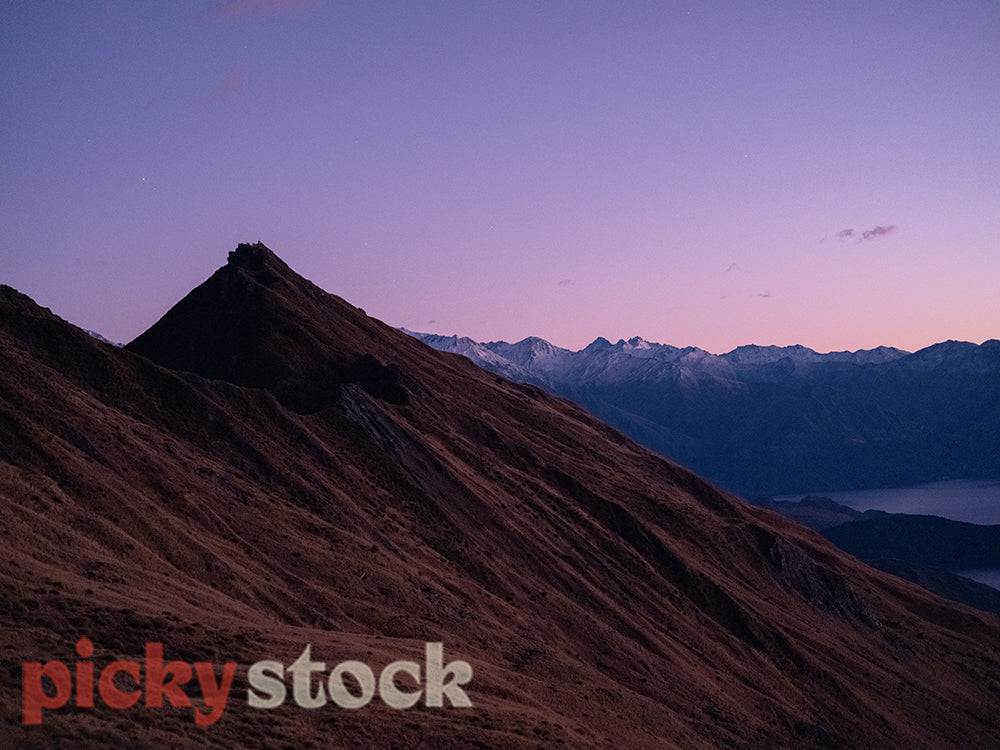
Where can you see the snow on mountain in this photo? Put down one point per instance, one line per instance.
(535, 360)
(953, 354)
(761, 355)
(798, 355)
(533, 352)
(877, 356)
(99, 337)
(479, 353)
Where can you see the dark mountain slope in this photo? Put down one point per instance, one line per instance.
(604, 597)
(952, 390)
(256, 323)
(925, 540)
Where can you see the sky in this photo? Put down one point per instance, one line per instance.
(703, 173)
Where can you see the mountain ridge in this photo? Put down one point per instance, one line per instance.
(603, 595)
(769, 352)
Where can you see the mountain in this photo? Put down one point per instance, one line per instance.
(267, 475)
(924, 540)
(927, 550)
(817, 512)
(768, 420)
(99, 337)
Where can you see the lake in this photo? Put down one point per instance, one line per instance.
(972, 501)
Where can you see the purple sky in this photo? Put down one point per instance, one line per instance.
(703, 173)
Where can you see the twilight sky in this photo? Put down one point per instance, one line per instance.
(696, 173)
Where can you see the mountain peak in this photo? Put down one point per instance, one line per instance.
(252, 255)
(255, 322)
(753, 354)
(259, 263)
(598, 344)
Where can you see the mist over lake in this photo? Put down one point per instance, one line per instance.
(989, 576)
(972, 501)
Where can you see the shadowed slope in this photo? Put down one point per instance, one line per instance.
(604, 596)
(257, 323)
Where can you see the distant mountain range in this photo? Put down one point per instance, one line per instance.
(769, 420)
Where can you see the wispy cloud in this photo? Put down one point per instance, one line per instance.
(870, 234)
(232, 82)
(867, 234)
(249, 10)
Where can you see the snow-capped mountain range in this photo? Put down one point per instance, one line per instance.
(535, 360)
(778, 419)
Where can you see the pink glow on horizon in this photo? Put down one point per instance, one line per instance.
(770, 174)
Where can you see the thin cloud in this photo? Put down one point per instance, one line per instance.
(232, 82)
(235, 11)
(870, 234)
